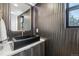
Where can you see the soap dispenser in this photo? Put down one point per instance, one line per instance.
(37, 31)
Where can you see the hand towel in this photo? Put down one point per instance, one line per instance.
(3, 31)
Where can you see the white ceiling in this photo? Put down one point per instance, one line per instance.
(19, 8)
(33, 4)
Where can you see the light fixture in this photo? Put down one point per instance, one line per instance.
(33, 4)
(16, 5)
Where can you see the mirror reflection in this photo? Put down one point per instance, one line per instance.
(20, 17)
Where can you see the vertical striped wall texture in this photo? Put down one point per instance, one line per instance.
(4, 8)
(6, 14)
(51, 23)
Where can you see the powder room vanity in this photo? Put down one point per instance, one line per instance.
(33, 49)
(23, 39)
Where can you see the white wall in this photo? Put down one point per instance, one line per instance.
(13, 22)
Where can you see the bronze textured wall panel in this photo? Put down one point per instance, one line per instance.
(4, 10)
(51, 23)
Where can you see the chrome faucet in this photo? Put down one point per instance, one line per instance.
(22, 33)
(22, 21)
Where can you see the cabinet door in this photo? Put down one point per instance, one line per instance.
(24, 53)
(27, 52)
(18, 54)
(38, 50)
(42, 49)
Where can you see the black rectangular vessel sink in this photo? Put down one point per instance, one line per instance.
(21, 41)
(24, 37)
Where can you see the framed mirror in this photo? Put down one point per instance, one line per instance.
(20, 17)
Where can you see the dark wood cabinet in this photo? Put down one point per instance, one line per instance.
(37, 50)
